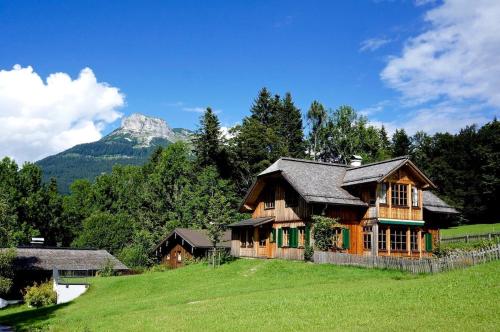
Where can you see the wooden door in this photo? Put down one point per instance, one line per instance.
(263, 243)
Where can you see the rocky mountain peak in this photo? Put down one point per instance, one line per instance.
(143, 129)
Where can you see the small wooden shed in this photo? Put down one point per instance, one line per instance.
(186, 243)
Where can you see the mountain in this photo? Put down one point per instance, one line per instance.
(131, 144)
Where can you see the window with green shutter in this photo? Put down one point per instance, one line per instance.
(428, 242)
(280, 237)
(295, 237)
(308, 235)
(345, 238)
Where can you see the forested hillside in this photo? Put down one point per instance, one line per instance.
(130, 208)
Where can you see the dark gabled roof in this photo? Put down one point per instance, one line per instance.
(64, 259)
(435, 204)
(316, 182)
(252, 222)
(198, 238)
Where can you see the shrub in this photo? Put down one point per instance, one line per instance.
(6, 270)
(308, 253)
(134, 256)
(107, 270)
(324, 228)
(40, 295)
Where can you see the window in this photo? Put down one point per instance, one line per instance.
(302, 236)
(269, 199)
(262, 237)
(291, 198)
(367, 237)
(373, 198)
(414, 196)
(414, 239)
(382, 238)
(383, 193)
(286, 236)
(246, 239)
(398, 239)
(400, 194)
(179, 257)
(336, 237)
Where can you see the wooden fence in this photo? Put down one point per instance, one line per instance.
(470, 238)
(423, 265)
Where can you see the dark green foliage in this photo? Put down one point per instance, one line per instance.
(316, 117)
(6, 270)
(323, 232)
(400, 143)
(308, 253)
(105, 231)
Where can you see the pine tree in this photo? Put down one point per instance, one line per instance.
(207, 140)
(262, 109)
(400, 143)
(289, 128)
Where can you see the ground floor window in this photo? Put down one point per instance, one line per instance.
(337, 238)
(302, 236)
(398, 239)
(246, 239)
(286, 236)
(262, 237)
(382, 238)
(414, 239)
(367, 237)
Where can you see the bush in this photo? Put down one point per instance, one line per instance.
(6, 270)
(324, 229)
(134, 256)
(308, 253)
(107, 270)
(40, 295)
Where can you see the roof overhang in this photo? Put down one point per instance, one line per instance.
(252, 222)
(387, 221)
(441, 209)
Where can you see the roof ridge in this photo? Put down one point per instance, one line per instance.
(312, 161)
(378, 162)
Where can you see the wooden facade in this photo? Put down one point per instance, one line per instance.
(391, 224)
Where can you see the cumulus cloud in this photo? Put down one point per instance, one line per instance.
(373, 44)
(455, 59)
(40, 118)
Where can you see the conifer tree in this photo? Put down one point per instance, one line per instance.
(316, 116)
(400, 143)
(289, 128)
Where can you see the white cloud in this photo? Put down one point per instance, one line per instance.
(199, 109)
(373, 44)
(423, 2)
(455, 59)
(40, 118)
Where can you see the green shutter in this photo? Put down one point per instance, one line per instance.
(308, 235)
(290, 237)
(428, 241)
(280, 237)
(295, 237)
(273, 235)
(345, 238)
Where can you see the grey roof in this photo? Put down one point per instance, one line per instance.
(372, 172)
(252, 222)
(64, 259)
(198, 238)
(435, 204)
(316, 182)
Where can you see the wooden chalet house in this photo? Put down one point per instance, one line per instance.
(385, 208)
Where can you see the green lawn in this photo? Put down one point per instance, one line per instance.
(275, 295)
(470, 229)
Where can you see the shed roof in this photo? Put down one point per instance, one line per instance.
(316, 182)
(64, 259)
(198, 238)
(435, 204)
(252, 222)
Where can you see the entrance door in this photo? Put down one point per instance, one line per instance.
(263, 249)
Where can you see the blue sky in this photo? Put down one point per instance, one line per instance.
(170, 59)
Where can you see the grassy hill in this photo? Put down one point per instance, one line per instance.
(471, 229)
(274, 295)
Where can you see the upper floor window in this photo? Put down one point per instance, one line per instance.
(383, 193)
(399, 194)
(414, 196)
(269, 199)
(373, 198)
(291, 198)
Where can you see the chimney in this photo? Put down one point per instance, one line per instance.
(356, 160)
(37, 241)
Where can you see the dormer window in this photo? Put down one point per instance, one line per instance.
(399, 194)
(269, 199)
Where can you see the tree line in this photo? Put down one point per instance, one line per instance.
(129, 210)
